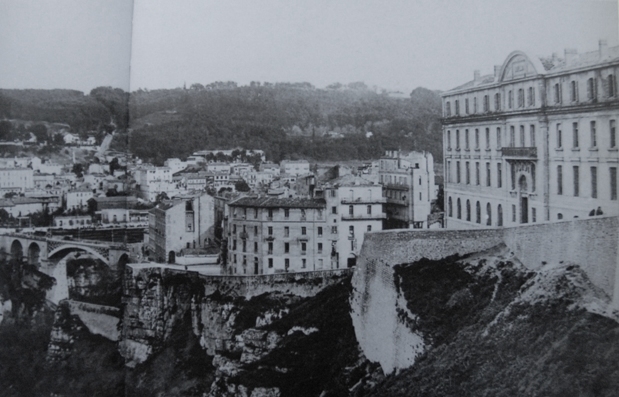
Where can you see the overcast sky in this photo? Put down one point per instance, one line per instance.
(393, 44)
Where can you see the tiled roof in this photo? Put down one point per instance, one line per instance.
(351, 180)
(272, 202)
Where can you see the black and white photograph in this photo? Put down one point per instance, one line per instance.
(312, 198)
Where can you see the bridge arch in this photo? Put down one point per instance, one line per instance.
(34, 254)
(69, 247)
(17, 250)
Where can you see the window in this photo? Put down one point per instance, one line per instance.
(575, 135)
(319, 231)
(513, 213)
(270, 230)
(286, 248)
(255, 213)
(450, 207)
(559, 136)
(369, 209)
(512, 136)
(574, 91)
(557, 92)
(457, 172)
(319, 248)
(499, 176)
(270, 262)
(286, 231)
(270, 213)
(448, 139)
(594, 182)
(499, 221)
(498, 138)
(531, 96)
(333, 229)
(487, 138)
(286, 264)
(303, 231)
(594, 138)
(488, 175)
(488, 215)
(477, 178)
(244, 245)
(576, 181)
(520, 98)
(303, 263)
(497, 102)
(532, 135)
(486, 103)
(270, 248)
(522, 138)
(286, 213)
(477, 138)
(256, 230)
(611, 85)
(369, 228)
(334, 210)
(233, 244)
(533, 215)
(447, 109)
(592, 89)
(466, 139)
(459, 208)
(613, 183)
(233, 229)
(475, 105)
(351, 230)
(613, 134)
(478, 212)
(457, 139)
(466, 106)
(255, 246)
(351, 210)
(468, 211)
(559, 180)
(468, 173)
(457, 107)
(303, 248)
(510, 99)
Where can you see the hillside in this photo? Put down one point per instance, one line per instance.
(285, 120)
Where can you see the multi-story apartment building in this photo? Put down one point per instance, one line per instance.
(78, 199)
(184, 222)
(354, 207)
(536, 141)
(16, 180)
(408, 186)
(154, 180)
(269, 235)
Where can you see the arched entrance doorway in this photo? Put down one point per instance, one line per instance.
(524, 199)
(172, 257)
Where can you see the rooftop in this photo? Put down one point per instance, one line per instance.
(273, 202)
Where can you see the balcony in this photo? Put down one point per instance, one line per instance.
(519, 153)
(397, 201)
(364, 217)
(396, 186)
(363, 200)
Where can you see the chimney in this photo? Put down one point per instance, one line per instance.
(603, 44)
(570, 55)
(476, 75)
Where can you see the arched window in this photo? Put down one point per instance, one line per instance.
(459, 208)
(478, 212)
(499, 221)
(449, 207)
(468, 210)
(488, 214)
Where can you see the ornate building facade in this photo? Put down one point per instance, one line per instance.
(536, 141)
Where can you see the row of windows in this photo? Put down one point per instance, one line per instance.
(593, 135)
(270, 230)
(526, 98)
(478, 214)
(593, 174)
(478, 181)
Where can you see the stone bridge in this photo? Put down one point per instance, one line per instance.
(39, 250)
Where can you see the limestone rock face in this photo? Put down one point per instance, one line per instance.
(257, 344)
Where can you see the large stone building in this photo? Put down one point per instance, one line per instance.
(535, 141)
(186, 222)
(269, 235)
(354, 207)
(153, 181)
(408, 186)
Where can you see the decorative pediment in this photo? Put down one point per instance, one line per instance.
(519, 65)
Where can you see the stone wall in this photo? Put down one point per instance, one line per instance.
(379, 311)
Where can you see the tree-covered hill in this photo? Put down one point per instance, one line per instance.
(285, 120)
